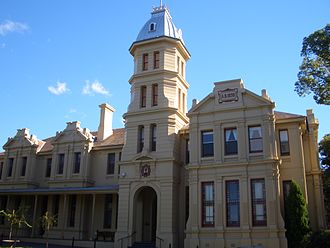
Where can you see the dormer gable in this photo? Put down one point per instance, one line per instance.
(73, 133)
(22, 139)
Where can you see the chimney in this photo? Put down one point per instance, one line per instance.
(105, 127)
(264, 94)
(194, 102)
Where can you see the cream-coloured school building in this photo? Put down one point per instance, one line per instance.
(215, 175)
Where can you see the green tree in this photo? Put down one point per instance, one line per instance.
(16, 219)
(296, 221)
(314, 72)
(324, 149)
(48, 221)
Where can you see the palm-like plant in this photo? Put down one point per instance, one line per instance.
(48, 221)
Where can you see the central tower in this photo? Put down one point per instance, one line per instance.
(151, 186)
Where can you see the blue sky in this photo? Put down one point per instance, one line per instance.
(60, 59)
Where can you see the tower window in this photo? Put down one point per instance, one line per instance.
(152, 27)
(143, 96)
(154, 94)
(145, 61)
(183, 103)
(153, 137)
(156, 59)
(179, 99)
(140, 139)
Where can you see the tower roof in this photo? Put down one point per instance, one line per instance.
(160, 24)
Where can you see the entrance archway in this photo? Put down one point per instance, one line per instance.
(145, 215)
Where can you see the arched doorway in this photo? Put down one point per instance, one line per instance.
(145, 215)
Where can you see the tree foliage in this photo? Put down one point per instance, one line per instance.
(16, 219)
(48, 221)
(297, 220)
(314, 72)
(324, 149)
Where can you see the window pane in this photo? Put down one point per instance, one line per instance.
(48, 167)
(284, 142)
(207, 204)
(111, 163)
(259, 212)
(77, 158)
(207, 144)
(230, 141)
(255, 132)
(232, 203)
(60, 163)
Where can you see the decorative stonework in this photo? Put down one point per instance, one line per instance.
(145, 170)
(228, 95)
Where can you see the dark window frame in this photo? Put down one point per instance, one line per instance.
(23, 166)
(3, 206)
(230, 144)
(10, 167)
(56, 206)
(1, 169)
(154, 94)
(140, 140)
(60, 164)
(284, 143)
(111, 163)
(251, 139)
(108, 209)
(153, 137)
(156, 59)
(72, 210)
(205, 144)
(207, 203)
(187, 158)
(143, 98)
(260, 201)
(145, 58)
(77, 162)
(232, 203)
(48, 167)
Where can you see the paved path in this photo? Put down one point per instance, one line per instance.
(42, 245)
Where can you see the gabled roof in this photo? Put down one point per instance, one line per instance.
(117, 138)
(283, 115)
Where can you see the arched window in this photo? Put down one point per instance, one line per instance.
(152, 27)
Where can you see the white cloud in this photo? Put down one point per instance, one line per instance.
(94, 88)
(59, 89)
(11, 27)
